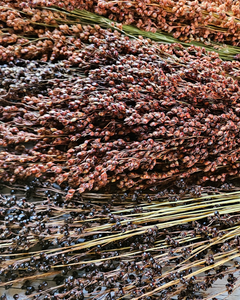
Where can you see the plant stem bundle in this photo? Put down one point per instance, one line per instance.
(112, 139)
(33, 21)
(123, 246)
(139, 115)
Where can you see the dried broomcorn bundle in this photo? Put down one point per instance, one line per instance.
(142, 115)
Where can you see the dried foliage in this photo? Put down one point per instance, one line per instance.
(144, 114)
(126, 246)
(31, 25)
(84, 108)
(188, 20)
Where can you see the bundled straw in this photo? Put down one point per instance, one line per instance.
(89, 104)
(120, 247)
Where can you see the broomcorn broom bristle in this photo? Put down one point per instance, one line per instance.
(126, 243)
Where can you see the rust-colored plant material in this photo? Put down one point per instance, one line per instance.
(188, 20)
(140, 114)
(85, 109)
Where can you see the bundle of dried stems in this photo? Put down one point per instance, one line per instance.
(123, 246)
(87, 104)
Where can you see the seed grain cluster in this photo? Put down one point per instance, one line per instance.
(139, 115)
(85, 109)
(129, 246)
(187, 20)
